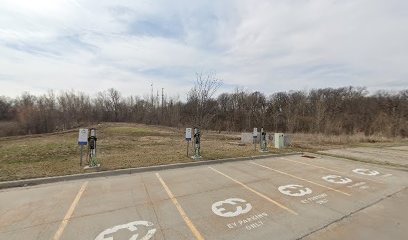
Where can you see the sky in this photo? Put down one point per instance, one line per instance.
(262, 45)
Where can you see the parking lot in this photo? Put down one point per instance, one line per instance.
(396, 156)
(293, 197)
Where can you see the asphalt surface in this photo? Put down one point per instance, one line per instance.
(276, 198)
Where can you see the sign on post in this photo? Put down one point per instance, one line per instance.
(255, 133)
(188, 134)
(83, 136)
(188, 137)
(255, 136)
(82, 140)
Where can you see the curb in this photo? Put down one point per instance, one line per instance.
(45, 180)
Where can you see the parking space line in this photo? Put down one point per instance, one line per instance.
(256, 192)
(308, 164)
(343, 173)
(70, 211)
(290, 175)
(183, 214)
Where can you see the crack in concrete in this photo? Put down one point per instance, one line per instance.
(352, 213)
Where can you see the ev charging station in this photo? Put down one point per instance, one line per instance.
(89, 138)
(263, 142)
(255, 136)
(197, 144)
(93, 163)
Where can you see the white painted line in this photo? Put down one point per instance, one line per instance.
(290, 175)
(70, 211)
(308, 164)
(256, 192)
(183, 214)
(329, 169)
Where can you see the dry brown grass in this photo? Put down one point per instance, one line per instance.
(321, 142)
(124, 145)
(120, 145)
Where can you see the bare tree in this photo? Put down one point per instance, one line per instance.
(5, 109)
(114, 98)
(200, 99)
(345, 110)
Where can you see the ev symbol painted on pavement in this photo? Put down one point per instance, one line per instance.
(337, 179)
(364, 171)
(219, 208)
(132, 226)
(295, 190)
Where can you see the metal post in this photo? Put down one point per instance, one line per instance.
(82, 140)
(82, 148)
(255, 136)
(188, 137)
(188, 144)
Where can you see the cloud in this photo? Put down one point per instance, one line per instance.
(264, 45)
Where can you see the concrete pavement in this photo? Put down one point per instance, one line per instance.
(289, 197)
(397, 156)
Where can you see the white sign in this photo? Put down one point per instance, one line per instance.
(83, 136)
(295, 190)
(337, 179)
(219, 207)
(188, 134)
(367, 172)
(255, 133)
(132, 227)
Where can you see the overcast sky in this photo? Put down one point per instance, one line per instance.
(265, 45)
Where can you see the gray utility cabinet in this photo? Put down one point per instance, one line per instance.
(279, 140)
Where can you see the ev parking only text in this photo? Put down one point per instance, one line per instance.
(249, 223)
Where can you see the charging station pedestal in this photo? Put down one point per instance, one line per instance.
(197, 144)
(92, 161)
(263, 142)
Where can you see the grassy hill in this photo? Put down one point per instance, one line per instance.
(124, 145)
(120, 145)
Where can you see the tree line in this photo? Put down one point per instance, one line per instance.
(347, 110)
